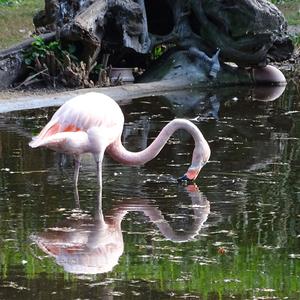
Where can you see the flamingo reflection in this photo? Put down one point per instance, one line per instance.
(86, 245)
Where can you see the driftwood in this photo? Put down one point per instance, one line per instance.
(11, 61)
(249, 33)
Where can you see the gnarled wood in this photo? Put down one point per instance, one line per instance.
(249, 33)
(11, 61)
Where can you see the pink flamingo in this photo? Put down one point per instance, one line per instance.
(94, 123)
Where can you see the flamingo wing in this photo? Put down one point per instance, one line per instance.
(79, 115)
(54, 132)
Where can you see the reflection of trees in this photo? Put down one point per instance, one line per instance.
(269, 214)
(17, 159)
(268, 204)
(22, 173)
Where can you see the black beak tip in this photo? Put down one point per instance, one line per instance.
(184, 179)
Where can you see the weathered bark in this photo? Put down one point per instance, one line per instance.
(130, 20)
(188, 64)
(249, 33)
(11, 61)
(88, 24)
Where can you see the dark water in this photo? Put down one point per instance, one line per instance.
(235, 234)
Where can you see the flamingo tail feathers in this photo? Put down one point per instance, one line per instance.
(51, 128)
(52, 133)
(55, 139)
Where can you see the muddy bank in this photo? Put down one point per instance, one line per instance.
(13, 100)
(20, 100)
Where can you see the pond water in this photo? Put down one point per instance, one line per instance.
(234, 234)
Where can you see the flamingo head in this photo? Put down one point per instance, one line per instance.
(190, 175)
(192, 172)
(201, 155)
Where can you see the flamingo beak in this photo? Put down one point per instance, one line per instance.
(189, 176)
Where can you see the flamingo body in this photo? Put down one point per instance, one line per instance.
(76, 124)
(94, 123)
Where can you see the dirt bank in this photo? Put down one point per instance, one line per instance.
(19, 100)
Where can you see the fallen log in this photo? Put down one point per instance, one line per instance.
(248, 33)
(12, 67)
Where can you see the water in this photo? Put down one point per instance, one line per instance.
(235, 234)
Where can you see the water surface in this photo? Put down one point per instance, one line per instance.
(234, 234)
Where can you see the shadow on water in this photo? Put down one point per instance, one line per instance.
(243, 243)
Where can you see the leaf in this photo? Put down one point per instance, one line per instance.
(28, 61)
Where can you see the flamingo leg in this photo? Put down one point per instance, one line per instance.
(99, 158)
(99, 173)
(77, 167)
(99, 180)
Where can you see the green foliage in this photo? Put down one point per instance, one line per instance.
(98, 68)
(56, 63)
(282, 1)
(158, 51)
(296, 40)
(40, 49)
(239, 273)
(10, 2)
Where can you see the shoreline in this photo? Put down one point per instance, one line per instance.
(19, 100)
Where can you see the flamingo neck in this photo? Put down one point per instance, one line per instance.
(201, 151)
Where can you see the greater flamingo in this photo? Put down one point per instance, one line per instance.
(93, 123)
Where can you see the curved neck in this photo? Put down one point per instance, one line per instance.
(201, 151)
